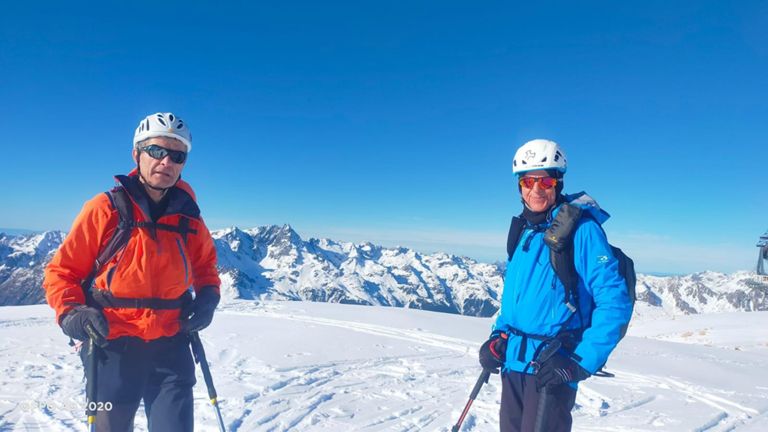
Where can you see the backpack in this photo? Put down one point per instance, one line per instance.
(559, 239)
(121, 202)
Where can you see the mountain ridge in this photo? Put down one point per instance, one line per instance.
(273, 262)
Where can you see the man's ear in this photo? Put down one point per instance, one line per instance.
(135, 154)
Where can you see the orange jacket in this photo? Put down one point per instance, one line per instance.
(160, 264)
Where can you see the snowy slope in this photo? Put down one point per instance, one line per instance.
(305, 366)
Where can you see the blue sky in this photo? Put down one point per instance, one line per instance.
(396, 122)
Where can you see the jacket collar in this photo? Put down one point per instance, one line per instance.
(181, 198)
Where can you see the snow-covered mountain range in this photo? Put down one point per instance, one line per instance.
(22, 261)
(275, 263)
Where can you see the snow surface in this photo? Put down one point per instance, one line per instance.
(305, 366)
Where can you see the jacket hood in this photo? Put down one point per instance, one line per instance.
(588, 204)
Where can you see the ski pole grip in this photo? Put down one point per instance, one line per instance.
(544, 397)
(482, 379)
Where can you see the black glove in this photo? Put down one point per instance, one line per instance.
(559, 370)
(84, 322)
(199, 314)
(493, 352)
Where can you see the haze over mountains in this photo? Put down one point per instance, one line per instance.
(275, 263)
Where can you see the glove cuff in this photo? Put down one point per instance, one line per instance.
(209, 294)
(496, 338)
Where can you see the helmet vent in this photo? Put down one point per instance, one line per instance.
(163, 125)
(539, 154)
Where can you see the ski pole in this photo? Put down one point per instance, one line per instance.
(199, 353)
(541, 410)
(482, 379)
(544, 396)
(95, 342)
(90, 385)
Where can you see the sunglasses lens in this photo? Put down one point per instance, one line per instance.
(157, 152)
(544, 182)
(527, 182)
(177, 156)
(547, 182)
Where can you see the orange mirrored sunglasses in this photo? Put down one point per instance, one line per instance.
(544, 182)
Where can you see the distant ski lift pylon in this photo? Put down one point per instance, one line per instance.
(762, 257)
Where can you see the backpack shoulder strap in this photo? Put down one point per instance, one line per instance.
(120, 201)
(513, 237)
(559, 238)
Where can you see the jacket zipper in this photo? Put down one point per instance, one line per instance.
(184, 260)
(111, 271)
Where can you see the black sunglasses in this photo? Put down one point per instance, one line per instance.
(159, 153)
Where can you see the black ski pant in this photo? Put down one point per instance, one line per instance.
(161, 372)
(520, 402)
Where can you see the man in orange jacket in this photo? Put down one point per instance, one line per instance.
(139, 307)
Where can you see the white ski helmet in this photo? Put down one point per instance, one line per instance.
(163, 125)
(539, 154)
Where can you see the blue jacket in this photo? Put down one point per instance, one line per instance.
(533, 297)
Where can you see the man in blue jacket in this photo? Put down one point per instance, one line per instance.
(535, 311)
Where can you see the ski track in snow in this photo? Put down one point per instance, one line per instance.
(589, 402)
(728, 415)
(401, 379)
(311, 387)
(428, 339)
